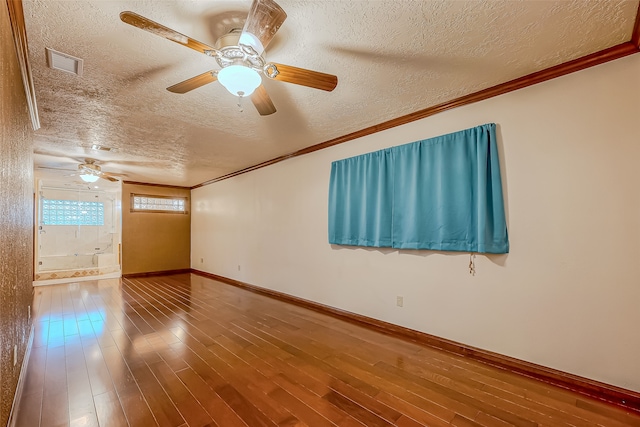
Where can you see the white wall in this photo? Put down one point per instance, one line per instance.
(568, 294)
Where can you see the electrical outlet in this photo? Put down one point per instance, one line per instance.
(399, 301)
(15, 355)
(238, 267)
(201, 260)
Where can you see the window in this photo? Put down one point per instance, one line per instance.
(72, 212)
(167, 204)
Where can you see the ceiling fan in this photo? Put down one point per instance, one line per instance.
(240, 57)
(88, 171)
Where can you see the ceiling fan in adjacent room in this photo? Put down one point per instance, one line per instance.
(88, 171)
(240, 55)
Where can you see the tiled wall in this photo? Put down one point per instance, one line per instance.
(78, 273)
(16, 217)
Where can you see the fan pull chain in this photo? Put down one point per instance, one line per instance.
(240, 109)
(472, 264)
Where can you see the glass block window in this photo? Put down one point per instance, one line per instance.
(146, 203)
(72, 212)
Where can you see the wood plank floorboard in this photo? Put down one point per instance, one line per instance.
(186, 351)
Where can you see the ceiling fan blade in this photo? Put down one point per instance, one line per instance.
(58, 154)
(193, 83)
(301, 76)
(263, 21)
(109, 177)
(146, 24)
(262, 101)
(55, 169)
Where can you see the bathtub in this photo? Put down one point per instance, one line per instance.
(77, 267)
(76, 261)
(67, 262)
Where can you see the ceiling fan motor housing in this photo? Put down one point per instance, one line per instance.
(89, 167)
(236, 54)
(230, 39)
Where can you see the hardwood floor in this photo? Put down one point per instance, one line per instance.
(184, 350)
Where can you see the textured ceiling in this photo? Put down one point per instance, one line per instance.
(392, 58)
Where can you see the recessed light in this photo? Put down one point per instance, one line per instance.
(63, 62)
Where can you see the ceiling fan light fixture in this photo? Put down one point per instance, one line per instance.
(89, 177)
(239, 80)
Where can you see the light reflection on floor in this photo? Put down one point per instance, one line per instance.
(61, 326)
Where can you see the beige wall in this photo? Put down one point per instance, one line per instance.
(16, 217)
(153, 241)
(565, 297)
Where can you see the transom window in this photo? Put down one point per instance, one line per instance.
(72, 212)
(146, 203)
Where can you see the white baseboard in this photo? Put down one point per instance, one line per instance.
(23, 373)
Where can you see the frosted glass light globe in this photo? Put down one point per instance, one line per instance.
(239, 80)
(88, 177)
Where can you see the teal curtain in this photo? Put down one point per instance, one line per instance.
(360, 200)
(443, 193)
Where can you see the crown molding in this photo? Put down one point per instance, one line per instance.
(19, 31)
(149, 184)
(597, 58)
